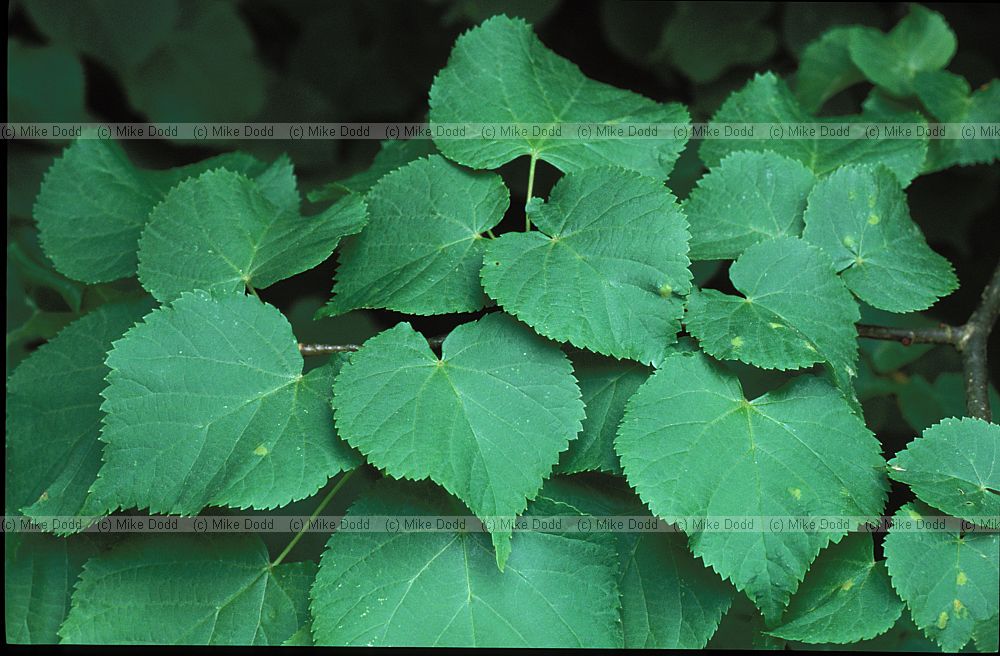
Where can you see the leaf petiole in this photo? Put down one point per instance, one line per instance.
(322, 504)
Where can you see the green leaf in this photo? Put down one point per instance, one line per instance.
(222, 231)
(501, 73)
(693, 446)
(119, 33)
(924, 404)
(54, 418)
(922, 41)
(669, 599)
(826, 69)
(987, 635)
(859, 216)
(206, 405)
(422, 249)
(949, 98)
(606, 385)
(392, 155)
(487, 421)
(187, 589)
(796, 312)
(805, 23)
(703, 40)
(846, 597)
(94, 203)
(43, 84)
(767, 99)
(39, 574)
(954, 467)
(949, 581)
(749, 197)
(438, 589)
(207, 70)
(606, 270)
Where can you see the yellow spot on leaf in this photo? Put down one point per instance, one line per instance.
(961, 579)
(848, 241)
(914, 514)
(960, 610)
(795, 492)
(777, 325)
(871, 201)
(260, 450)
(847, 585)
(666, 290)
(736, 342)
(942, 620)
(873, 219)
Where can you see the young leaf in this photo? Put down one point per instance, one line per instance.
(501, 73)
(487, 421)
(605, 272)
(826, 69)
(53, 414)
(207, 405)
(422, 249)
(846, 597)
(669, 599)
(948, 97)
(392, 155)
(693, 446)
(796, 312)
(749, 197)
(94, 203)
(954, 467)
(949, 581)
(605, 385)
(767, 99)
(859, 216)
(922, 41)
(443, 589)
(39, 574)
(223, 231)
(187, 589)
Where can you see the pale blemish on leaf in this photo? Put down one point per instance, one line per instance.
(847, 585)
(961, 579)
(942, 620)
(261, 450)
(873, 219)
(736, 341)
(795, 492)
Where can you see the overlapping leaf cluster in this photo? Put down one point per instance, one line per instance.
(574, 365)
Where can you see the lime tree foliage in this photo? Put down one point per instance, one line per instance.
(591, 373)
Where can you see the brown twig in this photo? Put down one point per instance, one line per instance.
(328, 349)
(970, 339)
(942, 334)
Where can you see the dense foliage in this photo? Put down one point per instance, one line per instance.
(520, 326)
